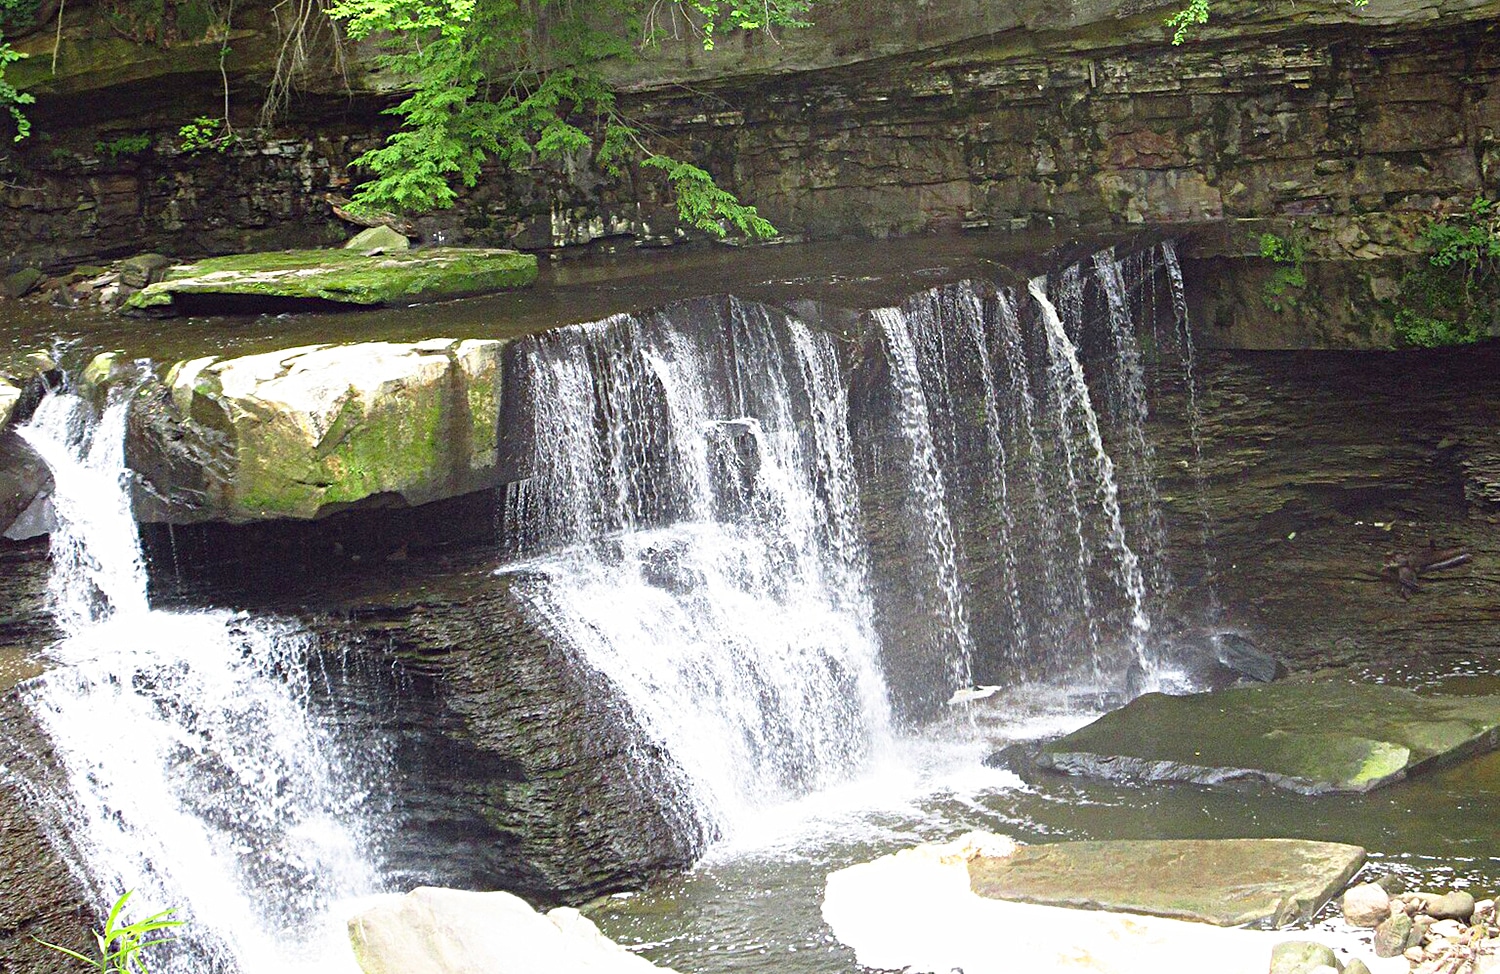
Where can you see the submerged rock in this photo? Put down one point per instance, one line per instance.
(1228, 882)
(307, 431)
(1311, 738)
(268, 281)
(449, 931)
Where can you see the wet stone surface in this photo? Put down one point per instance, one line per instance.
(1311, 738)
(1228, 882)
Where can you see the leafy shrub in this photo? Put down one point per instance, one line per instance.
(1452, 299)
(204, 133)
(1280, 292)
(123, 146)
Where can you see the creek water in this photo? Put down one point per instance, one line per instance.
(782, 596)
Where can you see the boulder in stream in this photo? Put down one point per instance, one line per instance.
(1227, 882)
(275, 281)
(448, 931)
(1311, 738)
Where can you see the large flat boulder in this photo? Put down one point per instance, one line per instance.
(448, 931)
(1226, 882)
(308, 431)
(916, 911)
(347, 277)
(1311, 738)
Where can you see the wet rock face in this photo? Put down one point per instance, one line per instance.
(515, 767)
(1317, 468)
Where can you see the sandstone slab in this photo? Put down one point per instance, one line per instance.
(915, 910)
(307, 431)
(449, 931)
(347, 277)
(1227, 882)
(1311, 738)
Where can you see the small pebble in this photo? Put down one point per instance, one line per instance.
(1446, 930)
(1414, 954)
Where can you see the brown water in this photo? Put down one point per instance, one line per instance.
(856, 274)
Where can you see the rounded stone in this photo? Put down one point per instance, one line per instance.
(1366, 905)
(1456, 905)
(1392, 935)
(1413, 954)
(1355, 966)
(1301, 957)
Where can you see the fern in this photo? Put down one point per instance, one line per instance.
(702, 203)
(518, 82)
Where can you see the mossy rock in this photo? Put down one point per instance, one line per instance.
(343, 277)
(305, 432)
(1311, 738)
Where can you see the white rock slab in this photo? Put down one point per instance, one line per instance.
(447, 931)
(914, 911)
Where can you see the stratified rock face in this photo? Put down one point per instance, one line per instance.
(1312, 738)
(449, 931)
(307, 431)
(1228, 882)
(338, 276)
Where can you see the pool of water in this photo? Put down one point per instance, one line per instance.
(754, 903)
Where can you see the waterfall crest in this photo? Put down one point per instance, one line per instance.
(692, 508)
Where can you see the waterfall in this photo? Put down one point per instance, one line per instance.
(1075, 405)
(695, 539)
(194, 770)
(928, 492)
(1184, 332)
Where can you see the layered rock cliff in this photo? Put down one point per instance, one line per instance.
(1344, 126)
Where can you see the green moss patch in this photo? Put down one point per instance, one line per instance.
(1312, 738)
(344, 276)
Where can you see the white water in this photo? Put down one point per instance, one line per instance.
(196, 773)
(710, 562)
(1074, 399)
(929, 492)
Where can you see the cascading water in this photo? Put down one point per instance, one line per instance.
(1076, 406)
(692, 488)
(195, 772)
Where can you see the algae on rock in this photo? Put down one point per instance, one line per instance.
(307, 431)
(343, 276)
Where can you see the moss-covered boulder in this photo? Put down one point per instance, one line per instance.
(1312, 738)
(308, 431)
(346, 277)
